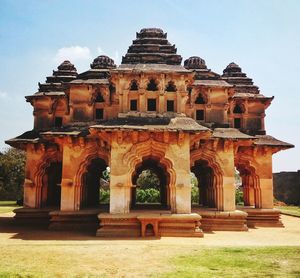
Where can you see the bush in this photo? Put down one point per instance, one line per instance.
(195, 195)
(12, 170)
(148, 195)
(239, 197)
(104, 196)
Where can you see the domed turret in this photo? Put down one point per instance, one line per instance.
(103, 62)
(151, 46)
(65, 72)
(195, 62)
(233, 75)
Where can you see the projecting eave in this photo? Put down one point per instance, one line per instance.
(230, 134)
(149, 124)
(269, 141)
(42, 94)
(28, 137)
(151, 68)
(90, 81)
(212, 83)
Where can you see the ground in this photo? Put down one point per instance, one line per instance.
(263, 252)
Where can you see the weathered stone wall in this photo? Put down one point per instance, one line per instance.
(287, 187)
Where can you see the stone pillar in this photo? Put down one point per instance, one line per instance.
(30, 188)
(227, 202)
(179, 154)
(120, 189)
(70, 162)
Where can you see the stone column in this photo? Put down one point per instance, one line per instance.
(179, 154)
(119, 180)
(227, 201)
(264, 171)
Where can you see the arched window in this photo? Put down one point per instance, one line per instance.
(171, 87)
(134, 85)
(152, 86)
(200, 99)
(238, 109)
(99, 97)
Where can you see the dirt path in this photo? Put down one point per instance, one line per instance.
(122, 258)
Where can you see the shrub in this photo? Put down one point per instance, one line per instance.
(104, 196)
(239, 197)
(148, 195)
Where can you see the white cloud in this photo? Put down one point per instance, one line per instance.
(3, 95)
(72, 53)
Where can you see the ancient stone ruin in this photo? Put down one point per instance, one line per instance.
(148, 114)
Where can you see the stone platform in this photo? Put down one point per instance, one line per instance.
(213, 220)
(33, 216)
(262, 217)
(143, 224)
(85, 219)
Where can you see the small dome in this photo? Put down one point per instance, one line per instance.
(151, 33)
(231, 68)
(103, 62)
(66, 66)
(195, 62)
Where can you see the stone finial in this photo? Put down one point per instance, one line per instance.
(66, 66)
(103, 62)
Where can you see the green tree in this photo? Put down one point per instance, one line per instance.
(12, 171)
(148, 179)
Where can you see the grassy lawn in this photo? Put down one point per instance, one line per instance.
(238, 262)
(290, 210)
(8, 206)
(87, 260)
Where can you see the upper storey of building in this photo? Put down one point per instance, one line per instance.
(150, 83)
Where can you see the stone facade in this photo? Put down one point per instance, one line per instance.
(150, 111)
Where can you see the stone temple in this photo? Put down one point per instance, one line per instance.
(151, 112)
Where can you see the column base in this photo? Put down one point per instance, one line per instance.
(262, 217)
(82, 220)
(213, 220)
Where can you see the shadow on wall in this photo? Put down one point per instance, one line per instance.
(287, 187)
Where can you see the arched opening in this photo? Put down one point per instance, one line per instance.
(149, 231)
(249, 186)
(134, 85)
(150, 186)
(238, 109)
(200, 99)
(152, 86)
(206, 195)
(95, 185)
(51, 185)
(171, 87)
(99, 98)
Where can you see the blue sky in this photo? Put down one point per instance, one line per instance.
(263, 37)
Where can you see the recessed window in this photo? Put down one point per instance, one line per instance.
(200, 115)
(152, 86)
(58, 122)
(133, 105)
(134, 85)
(170, 105)
(237, 123)
(238, 109)
(171, 87)
(151, 104)
(99, 98)
(200, 99)
(99, 114)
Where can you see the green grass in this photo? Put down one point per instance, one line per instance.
(290, 210)
(93, 260)
(8, 206)
(238, 262)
